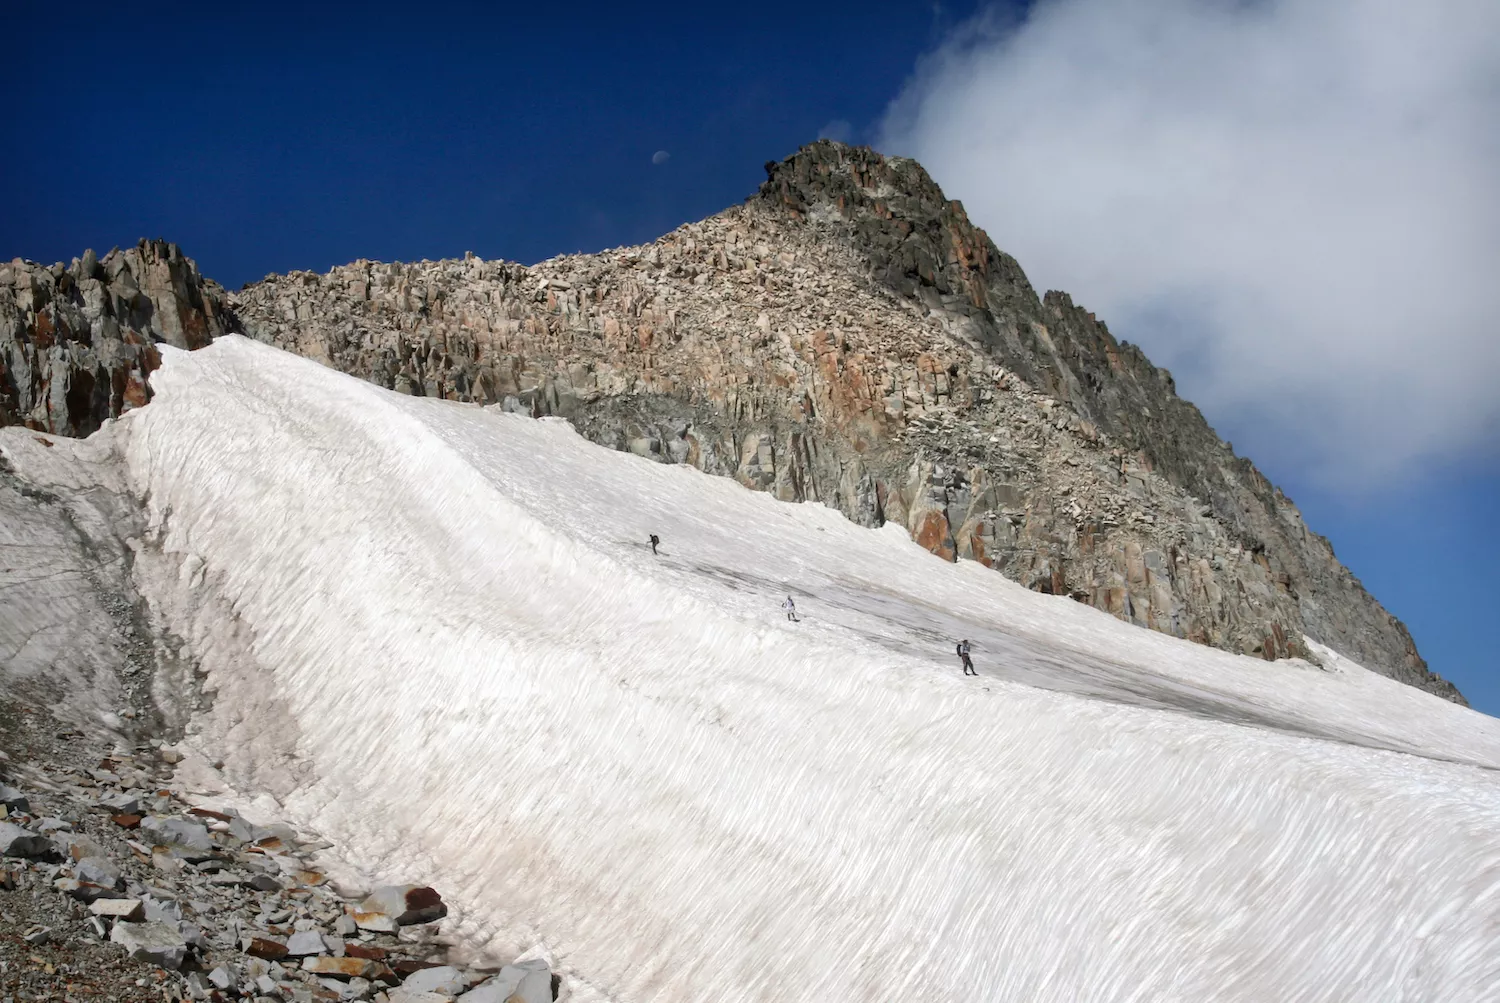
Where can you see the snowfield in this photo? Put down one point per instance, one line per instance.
(439, 636)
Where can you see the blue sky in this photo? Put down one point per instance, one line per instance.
(304, 137)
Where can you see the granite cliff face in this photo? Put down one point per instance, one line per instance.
(77, 341)
(845, 336)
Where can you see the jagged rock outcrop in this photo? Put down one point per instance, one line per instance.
(76, 340)
(849, 336)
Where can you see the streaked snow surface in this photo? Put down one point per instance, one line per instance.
(639, 765)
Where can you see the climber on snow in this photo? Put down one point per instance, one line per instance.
(791, 609)
(654, 541)
(963, 654)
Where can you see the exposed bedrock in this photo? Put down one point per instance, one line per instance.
(845, 336)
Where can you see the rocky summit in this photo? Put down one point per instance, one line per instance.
(846, 336)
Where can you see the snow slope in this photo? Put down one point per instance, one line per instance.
(477, 668)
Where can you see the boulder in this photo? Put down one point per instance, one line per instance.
(443, 979)
(155, 943)
(406, 904)
(18, 842)
(179, 832)
(120, 804)
(524, 981)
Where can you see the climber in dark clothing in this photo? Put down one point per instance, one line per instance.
(654, 541)
(963, 653)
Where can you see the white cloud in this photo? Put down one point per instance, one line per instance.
(660, 157)
(1295, 205)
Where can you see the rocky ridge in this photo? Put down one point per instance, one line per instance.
(846, 336)
(77, 340)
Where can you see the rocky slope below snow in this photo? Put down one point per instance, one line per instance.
(125, 874)
(846, 336)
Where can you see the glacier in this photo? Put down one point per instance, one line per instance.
(436, 633)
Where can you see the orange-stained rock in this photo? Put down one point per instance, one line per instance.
(932, 534)
(343, 968)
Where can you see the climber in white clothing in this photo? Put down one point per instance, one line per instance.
(791, 609)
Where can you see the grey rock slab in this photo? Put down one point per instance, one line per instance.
(77, 846)
(444, 979)
(246, 832)
(13, 799)
(156, 943)
(221, 977)
(305, 942)
(376, 922)
(17, 842)
(163, 911)
(357, 989)
(179, 831)
(83, 891)
(130, 910)
(530, 981)
(98, 871)
(343, 968)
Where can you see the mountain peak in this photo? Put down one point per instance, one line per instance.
(826, 171)
(847, 336)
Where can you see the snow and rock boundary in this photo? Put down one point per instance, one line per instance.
(434, 631)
